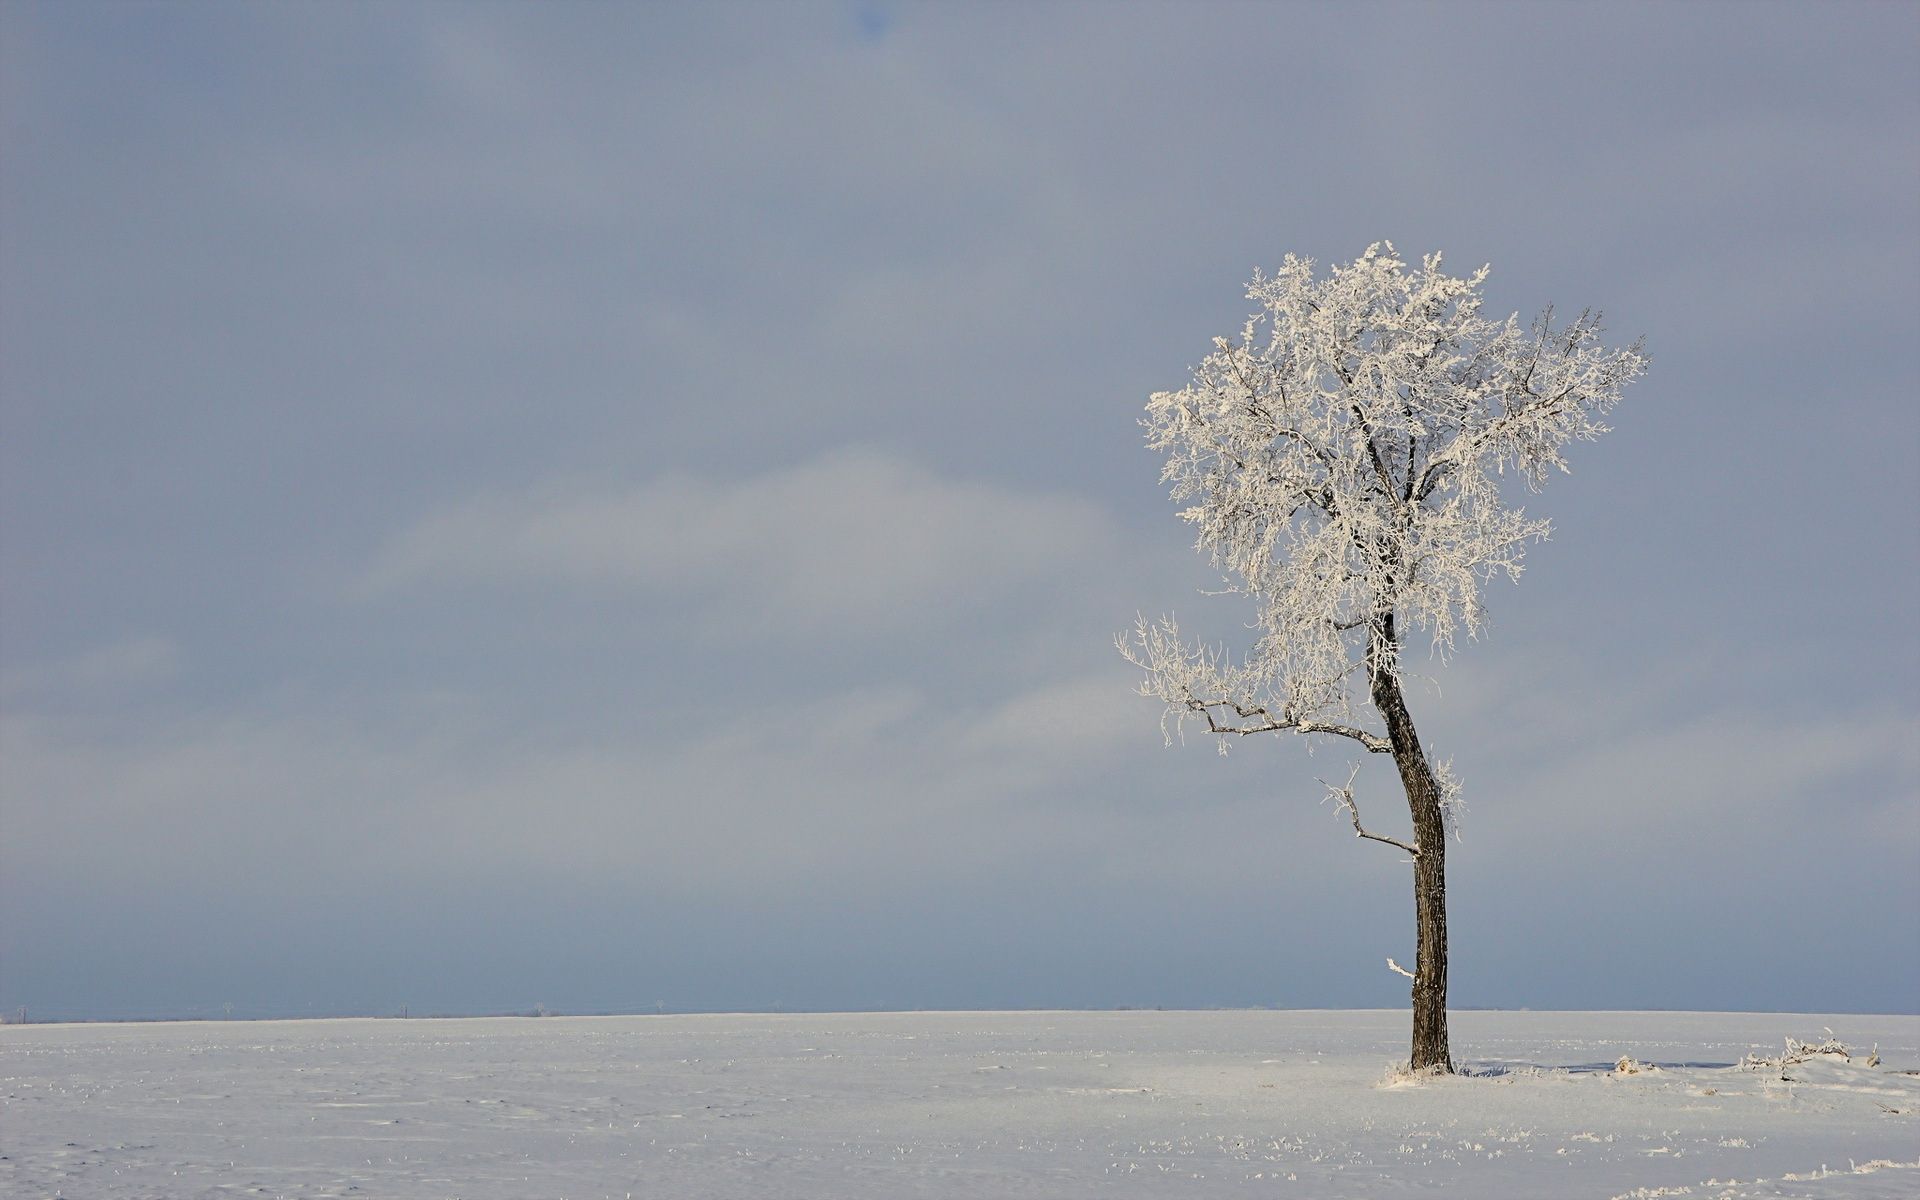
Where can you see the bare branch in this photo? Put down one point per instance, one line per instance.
(1343, 797)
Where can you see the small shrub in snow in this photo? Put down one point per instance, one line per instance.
(1797, 1051)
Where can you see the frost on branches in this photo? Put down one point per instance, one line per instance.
(1343, 460)
(1342, 464)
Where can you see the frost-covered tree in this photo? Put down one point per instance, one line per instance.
(1343, 461)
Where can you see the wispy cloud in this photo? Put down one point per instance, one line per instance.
(864, 790)
(859, 538)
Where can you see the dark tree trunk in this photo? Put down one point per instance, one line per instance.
(1430, 1048)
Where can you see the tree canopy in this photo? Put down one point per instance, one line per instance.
(1343, 459)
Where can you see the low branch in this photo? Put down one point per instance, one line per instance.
(1269, 723)
(1343, 796)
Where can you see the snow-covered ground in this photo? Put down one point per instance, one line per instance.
(957, 1104)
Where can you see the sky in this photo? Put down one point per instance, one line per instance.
(627, 507)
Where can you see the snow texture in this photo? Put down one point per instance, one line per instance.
(1130, 1104)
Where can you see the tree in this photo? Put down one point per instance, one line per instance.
(1344, 459)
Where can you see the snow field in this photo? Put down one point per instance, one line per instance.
(1127, 1104)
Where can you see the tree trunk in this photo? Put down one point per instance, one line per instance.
(1430, 1048)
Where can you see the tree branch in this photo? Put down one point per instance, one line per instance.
(1373, 451)
(1288, 431)
(1436, 470)
(1270, 723)
(1470, 442)
(1343, 797)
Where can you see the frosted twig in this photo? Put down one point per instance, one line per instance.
(1343, 797)
(1271, 724)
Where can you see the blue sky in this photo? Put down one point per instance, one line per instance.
(617, 506)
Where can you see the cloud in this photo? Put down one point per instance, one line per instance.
(871, 790)
(117, 667)
(1734, 780)
(1076, 716)
(858, 539)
